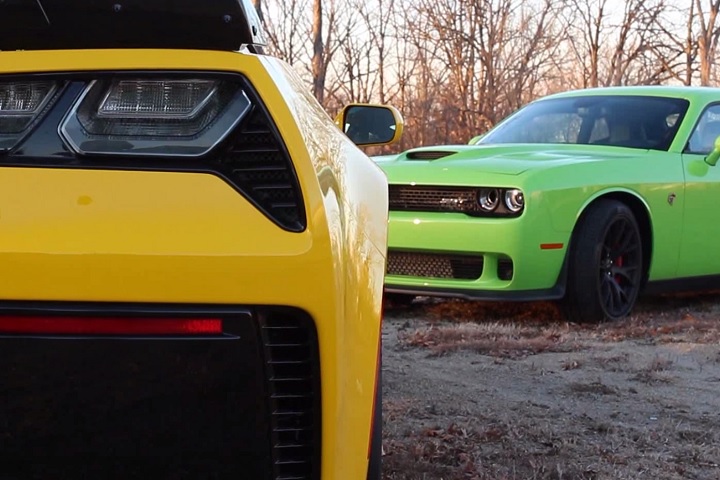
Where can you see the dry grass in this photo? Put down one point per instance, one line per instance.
(655, 372)
(482, 452)
(594, 388)
(538, 442)
(496, 339)
(535, 449)
(516, 330)
(461, 311)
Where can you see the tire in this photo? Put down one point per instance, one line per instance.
(375, 461)
(605, 264)
(395, 300)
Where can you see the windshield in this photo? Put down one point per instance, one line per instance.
(622, 121)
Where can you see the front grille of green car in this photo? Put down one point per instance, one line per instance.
(434, 265)
(434, 199)
(466, 200)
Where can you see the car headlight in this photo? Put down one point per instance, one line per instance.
(21, 103)
(154, 116)
(488, 199)
(514, 200)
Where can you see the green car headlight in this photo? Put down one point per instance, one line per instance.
(514, 200)
(488, 199)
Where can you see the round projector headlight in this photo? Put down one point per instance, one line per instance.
(514, 200)
(488, 199)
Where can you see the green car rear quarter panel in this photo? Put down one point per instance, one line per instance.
(674, 194)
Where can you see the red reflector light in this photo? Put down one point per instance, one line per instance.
(17, 324)
(551, 246)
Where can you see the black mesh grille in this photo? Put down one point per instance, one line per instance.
(434, 265)
(258, 164)
(294, 387)
(433, 199)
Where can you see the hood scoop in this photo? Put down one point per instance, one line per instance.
(429, 154)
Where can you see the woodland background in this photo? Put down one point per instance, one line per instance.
(454, 68)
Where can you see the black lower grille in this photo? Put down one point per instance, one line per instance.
(434, 265)
(291, 352)
(241, 404)
(129, 407)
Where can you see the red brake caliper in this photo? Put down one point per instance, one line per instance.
(619, 263)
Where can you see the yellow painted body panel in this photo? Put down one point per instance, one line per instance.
(140, 236)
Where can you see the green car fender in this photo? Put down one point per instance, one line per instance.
(658, 211)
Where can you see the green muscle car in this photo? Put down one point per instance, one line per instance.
(588, 197)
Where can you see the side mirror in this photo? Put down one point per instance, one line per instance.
(369, 125)
(714, 156)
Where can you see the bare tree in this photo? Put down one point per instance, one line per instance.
(319, 67)
(287, 27)
(674, 51)
(586, 39)
(708, 37)
(533, 52)
(637, 41)
(690, 46)
(456, 67)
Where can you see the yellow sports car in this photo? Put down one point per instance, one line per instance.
(191, 253)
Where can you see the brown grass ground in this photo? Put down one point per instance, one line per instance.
(508, 391)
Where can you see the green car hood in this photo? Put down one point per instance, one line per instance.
(457, 164)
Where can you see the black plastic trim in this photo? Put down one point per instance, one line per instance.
(682, 285)
(554, 293)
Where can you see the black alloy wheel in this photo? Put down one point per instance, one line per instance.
(605, 264)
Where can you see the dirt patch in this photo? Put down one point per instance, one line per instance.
(510, 391)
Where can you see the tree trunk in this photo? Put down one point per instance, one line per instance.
(318, 62)
(707, 40)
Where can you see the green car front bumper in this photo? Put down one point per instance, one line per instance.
(457, 255)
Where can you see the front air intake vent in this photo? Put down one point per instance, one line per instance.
(434, 265)
(429, 154)
(292, 371)
(259, 165)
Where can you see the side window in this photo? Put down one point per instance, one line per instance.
(706, 131)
